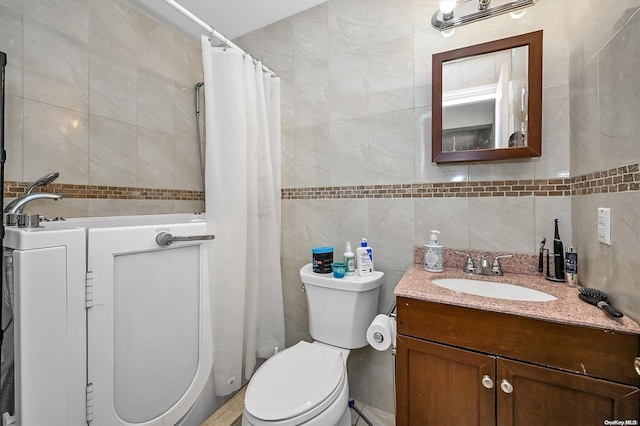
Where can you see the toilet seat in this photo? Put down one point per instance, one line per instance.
(298, 383)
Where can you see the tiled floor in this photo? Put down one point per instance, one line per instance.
(376, 416)
(230, 414)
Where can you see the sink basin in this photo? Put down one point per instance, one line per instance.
(493, 289)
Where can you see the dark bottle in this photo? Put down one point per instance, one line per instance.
(558, 254)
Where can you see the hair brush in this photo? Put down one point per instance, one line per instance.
(600, 299)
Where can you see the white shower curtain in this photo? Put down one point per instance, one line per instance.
(243, 211)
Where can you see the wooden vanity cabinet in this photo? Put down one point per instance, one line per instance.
(463, 366)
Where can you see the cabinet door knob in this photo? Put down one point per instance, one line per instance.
(487, 382)
(506, 386)
(636, 364)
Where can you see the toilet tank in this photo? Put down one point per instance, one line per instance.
(341, 309)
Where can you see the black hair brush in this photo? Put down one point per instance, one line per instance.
(600, 299)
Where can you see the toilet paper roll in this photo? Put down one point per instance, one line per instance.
(381, 333)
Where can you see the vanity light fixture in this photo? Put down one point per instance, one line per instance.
(454, 13)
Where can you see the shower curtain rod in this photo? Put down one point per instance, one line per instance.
(212, 32)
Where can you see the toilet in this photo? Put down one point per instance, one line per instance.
(307, 383)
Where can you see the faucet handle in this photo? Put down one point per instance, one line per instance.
(496, 268)
(469, 267)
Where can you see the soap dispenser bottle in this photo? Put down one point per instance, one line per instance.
(434, 254)
(364, 259)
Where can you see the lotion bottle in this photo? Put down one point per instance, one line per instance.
(364, 259)
(434, 254)
(350, 260)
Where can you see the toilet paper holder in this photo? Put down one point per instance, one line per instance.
(379, 336)
(390, 313)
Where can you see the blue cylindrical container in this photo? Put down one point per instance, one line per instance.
(322, 259)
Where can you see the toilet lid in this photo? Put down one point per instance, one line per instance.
(294, 382)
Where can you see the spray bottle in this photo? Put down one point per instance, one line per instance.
(350, 260)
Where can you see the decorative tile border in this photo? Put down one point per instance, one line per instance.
(624, 178)
(17, 189)
(496, 188)
(618, 179)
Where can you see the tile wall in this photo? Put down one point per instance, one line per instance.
(101, 93)
(104, 95)
(356, 79)
(604, 91)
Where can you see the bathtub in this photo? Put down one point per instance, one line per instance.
(109, 326)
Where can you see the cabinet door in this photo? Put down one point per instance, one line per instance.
(441, 385)
(542, 396)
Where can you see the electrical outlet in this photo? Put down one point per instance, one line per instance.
(604, 225)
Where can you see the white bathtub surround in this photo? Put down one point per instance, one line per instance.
(242, 193)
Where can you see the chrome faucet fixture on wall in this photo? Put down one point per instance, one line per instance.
(454, 13)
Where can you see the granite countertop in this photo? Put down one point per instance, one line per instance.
(567, 309)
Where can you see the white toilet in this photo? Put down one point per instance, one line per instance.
(307, 383)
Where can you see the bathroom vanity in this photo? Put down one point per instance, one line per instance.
(466, 359)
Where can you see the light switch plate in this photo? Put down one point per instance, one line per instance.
(604, 225)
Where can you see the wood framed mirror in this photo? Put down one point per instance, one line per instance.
(487, 101)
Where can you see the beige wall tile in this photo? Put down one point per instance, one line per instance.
(585, 139)
(311, 158)
(189, 206)
(11, 35)
(554, 162)
(69, 17)
(113, 153)
(155, 101)
(65, 208)
(391, 233)
(55, 139)
(156, 159)
(113, 87)
(391, 147)
(619, 96)
(101, 207)
(154, 206)
(55, 66)
(13, 137)
(113, 29)
(155, 42)
(187, 162)
(450, 216)
(349, 152)
(501, 224)
(295, 300)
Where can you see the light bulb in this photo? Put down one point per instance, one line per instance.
(448, 33)
(518, 14)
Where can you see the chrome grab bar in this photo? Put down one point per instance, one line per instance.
(166, 238)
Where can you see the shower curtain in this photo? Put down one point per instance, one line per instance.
(242, 201)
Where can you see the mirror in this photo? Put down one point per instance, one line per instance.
(487, 101)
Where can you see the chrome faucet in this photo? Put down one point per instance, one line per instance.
(496, 268)
(44, 180)
(17, 205)
(469, 267)
(484, 269)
